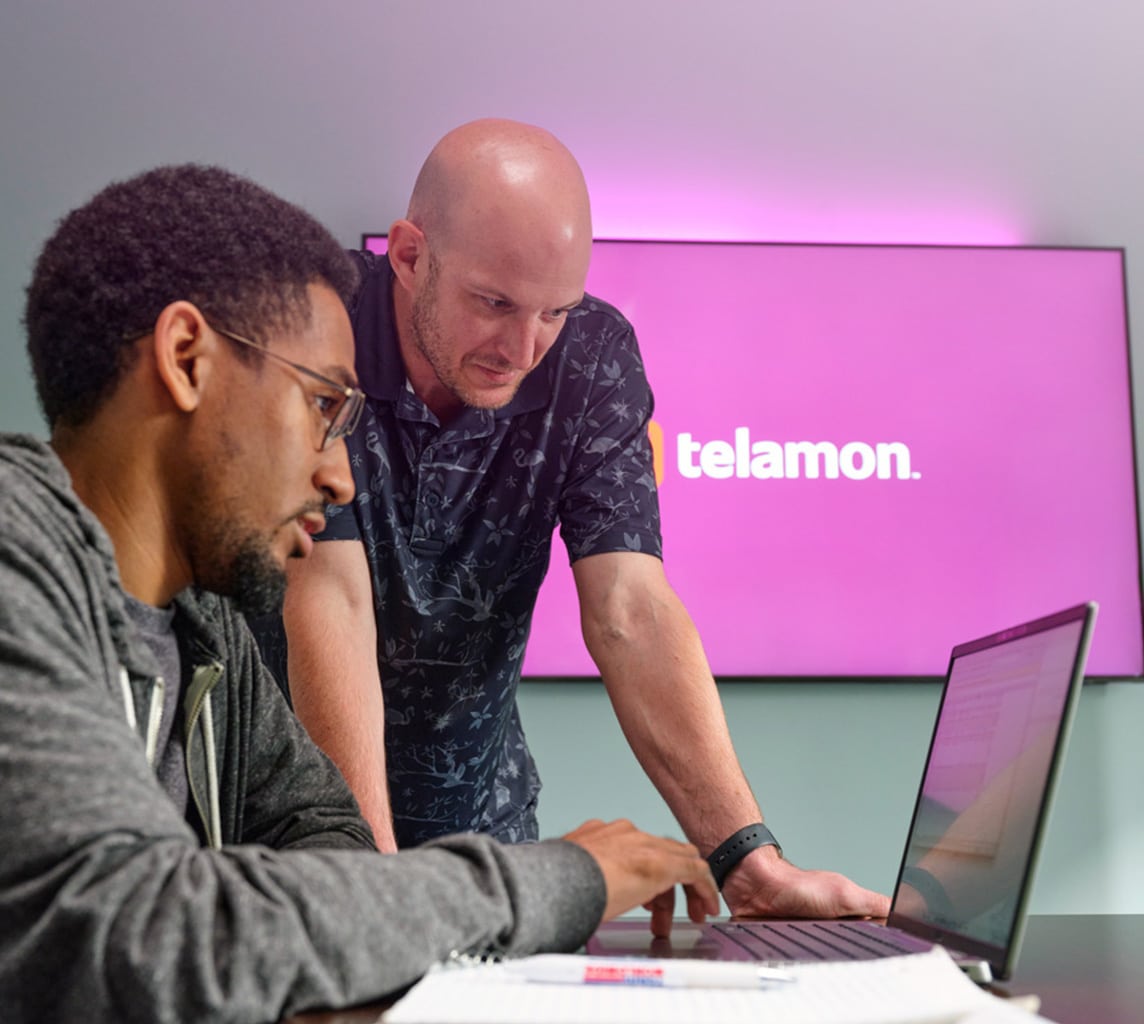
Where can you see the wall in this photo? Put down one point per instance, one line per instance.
(835, 766)
(949, 121)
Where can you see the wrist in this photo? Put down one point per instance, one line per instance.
(729, 853)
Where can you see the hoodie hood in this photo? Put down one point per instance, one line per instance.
(27, 460)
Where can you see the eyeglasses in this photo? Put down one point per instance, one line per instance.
(340, 413)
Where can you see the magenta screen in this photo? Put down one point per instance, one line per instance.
(867, 454)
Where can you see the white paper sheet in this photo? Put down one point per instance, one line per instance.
(921, 989)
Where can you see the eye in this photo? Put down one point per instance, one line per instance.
(497, 304)
(327, 405)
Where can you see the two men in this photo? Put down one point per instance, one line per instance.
(175, 847)
(501, 402)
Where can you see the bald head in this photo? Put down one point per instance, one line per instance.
(498, 178)
(489, 262)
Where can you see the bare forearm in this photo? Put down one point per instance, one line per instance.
(336, 692)
(653, 665)
(348, 725)
(649, 653)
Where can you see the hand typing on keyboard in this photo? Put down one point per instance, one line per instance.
(643, 870)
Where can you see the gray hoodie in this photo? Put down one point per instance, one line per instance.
(271, 899)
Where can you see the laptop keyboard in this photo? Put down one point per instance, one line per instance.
(800, 941)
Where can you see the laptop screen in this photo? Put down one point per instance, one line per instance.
(1000, 735)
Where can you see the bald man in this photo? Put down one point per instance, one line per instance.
(502, 401)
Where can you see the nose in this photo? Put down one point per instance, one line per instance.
(333, 476)
(525, 343)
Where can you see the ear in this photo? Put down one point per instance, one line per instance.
(184, 351)
(408, 253)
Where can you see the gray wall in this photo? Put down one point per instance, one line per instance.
(887, 120)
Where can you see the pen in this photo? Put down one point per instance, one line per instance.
(586, 970)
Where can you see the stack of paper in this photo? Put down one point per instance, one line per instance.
(926, 988)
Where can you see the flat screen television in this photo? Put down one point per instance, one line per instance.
(869, 453)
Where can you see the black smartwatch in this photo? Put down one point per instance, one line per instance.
(729, 852)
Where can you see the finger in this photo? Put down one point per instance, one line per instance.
(589, 828)
(873, 904)
(701, 891)
(662, 913)
(853, 900)
(702, 902)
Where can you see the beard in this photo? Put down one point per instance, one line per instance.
(429, 340)
(255, 582)
(242, 569)
(229, 559)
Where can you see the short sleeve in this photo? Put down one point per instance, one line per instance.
(342, 520)
(609, 501)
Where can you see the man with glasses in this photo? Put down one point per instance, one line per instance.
(175, 847)
(502, 402)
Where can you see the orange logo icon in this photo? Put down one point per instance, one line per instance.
(655, 436)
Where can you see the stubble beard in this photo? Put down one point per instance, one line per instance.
(242, 568)
(257, 583)
(232, 561)
(428, 339)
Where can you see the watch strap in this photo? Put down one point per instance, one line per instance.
(732, 850)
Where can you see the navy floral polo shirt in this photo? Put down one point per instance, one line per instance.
(458, 524)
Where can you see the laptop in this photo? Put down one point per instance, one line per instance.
(979, 819)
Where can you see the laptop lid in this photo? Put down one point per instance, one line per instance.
(983, 806)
